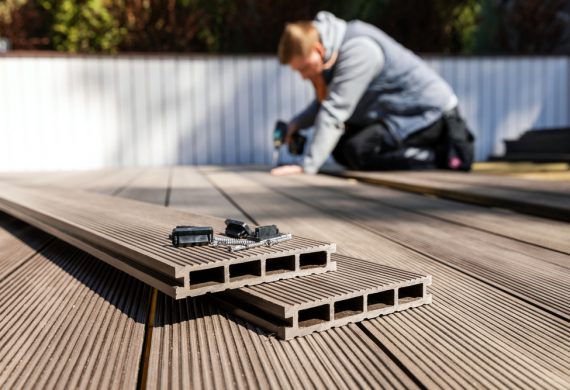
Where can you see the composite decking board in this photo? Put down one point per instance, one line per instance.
(472, 335)
(152, 187)
(513, 168)
(542, 232)
(113, 182)
(353, 276)
(138, 232)
(195, 344)
(551, 190)
(37, 178)
(550, 176)
(554, 204)
(18, 243)
(107, 181)
(70, 321)
(73, 180)
(538, 275)
(91, 319)
(357, 291)
(190, 190)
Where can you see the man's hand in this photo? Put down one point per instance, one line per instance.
(287, 170)
(292, 128)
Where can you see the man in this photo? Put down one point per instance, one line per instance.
(378, 106)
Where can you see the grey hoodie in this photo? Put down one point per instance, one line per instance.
(374, 78)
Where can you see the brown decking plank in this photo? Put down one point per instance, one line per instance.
(69, 320)
(538, 275)
(13, 233)
(544, 199)
(515, 168)
(39, 177)
(128, 234)
(203, 347)
(550, 190)
(213, 348)
(550, 176)
(496, 338)
(150, 187)
(358, 290)
(112, 181)
(533, 230)
(191, 191)
(92, 321)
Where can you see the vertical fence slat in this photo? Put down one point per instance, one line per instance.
(258, 115)
(185, 111)
(227, 111)
(201, 128)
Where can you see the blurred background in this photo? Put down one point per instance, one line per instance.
(108, 83)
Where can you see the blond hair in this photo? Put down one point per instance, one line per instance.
(297, 40)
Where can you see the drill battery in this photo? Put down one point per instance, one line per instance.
(297, 144)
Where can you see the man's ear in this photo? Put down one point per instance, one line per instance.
(320, 49)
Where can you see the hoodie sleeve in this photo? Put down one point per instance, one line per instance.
(360, 61)
(306, 118)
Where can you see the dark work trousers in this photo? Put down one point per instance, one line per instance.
(374, 148)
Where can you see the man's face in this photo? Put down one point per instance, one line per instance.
(311, 65)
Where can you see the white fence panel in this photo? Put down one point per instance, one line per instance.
(100, 112)
(504, 96)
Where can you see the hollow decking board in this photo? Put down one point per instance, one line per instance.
(529, 272)
(473, 335)
(213, 349)
(545, 199)
(358, 290)
(133, 236)
(538, 231)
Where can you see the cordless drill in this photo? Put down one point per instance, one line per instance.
(297, 144)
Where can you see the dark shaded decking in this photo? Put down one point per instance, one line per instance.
(501, 289)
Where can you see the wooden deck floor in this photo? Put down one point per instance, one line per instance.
(501, 291)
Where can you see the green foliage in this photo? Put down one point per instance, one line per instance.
(83, 26)
(434, 26)
(8, 8)
(465, 23)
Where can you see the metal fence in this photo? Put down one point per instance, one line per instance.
(97, 112)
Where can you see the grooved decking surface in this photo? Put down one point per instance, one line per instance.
(545, 199)
(497, 319)
(358, 290)
(133, 236)
(70, 321)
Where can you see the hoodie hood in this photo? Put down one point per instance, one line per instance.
(331, 29)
